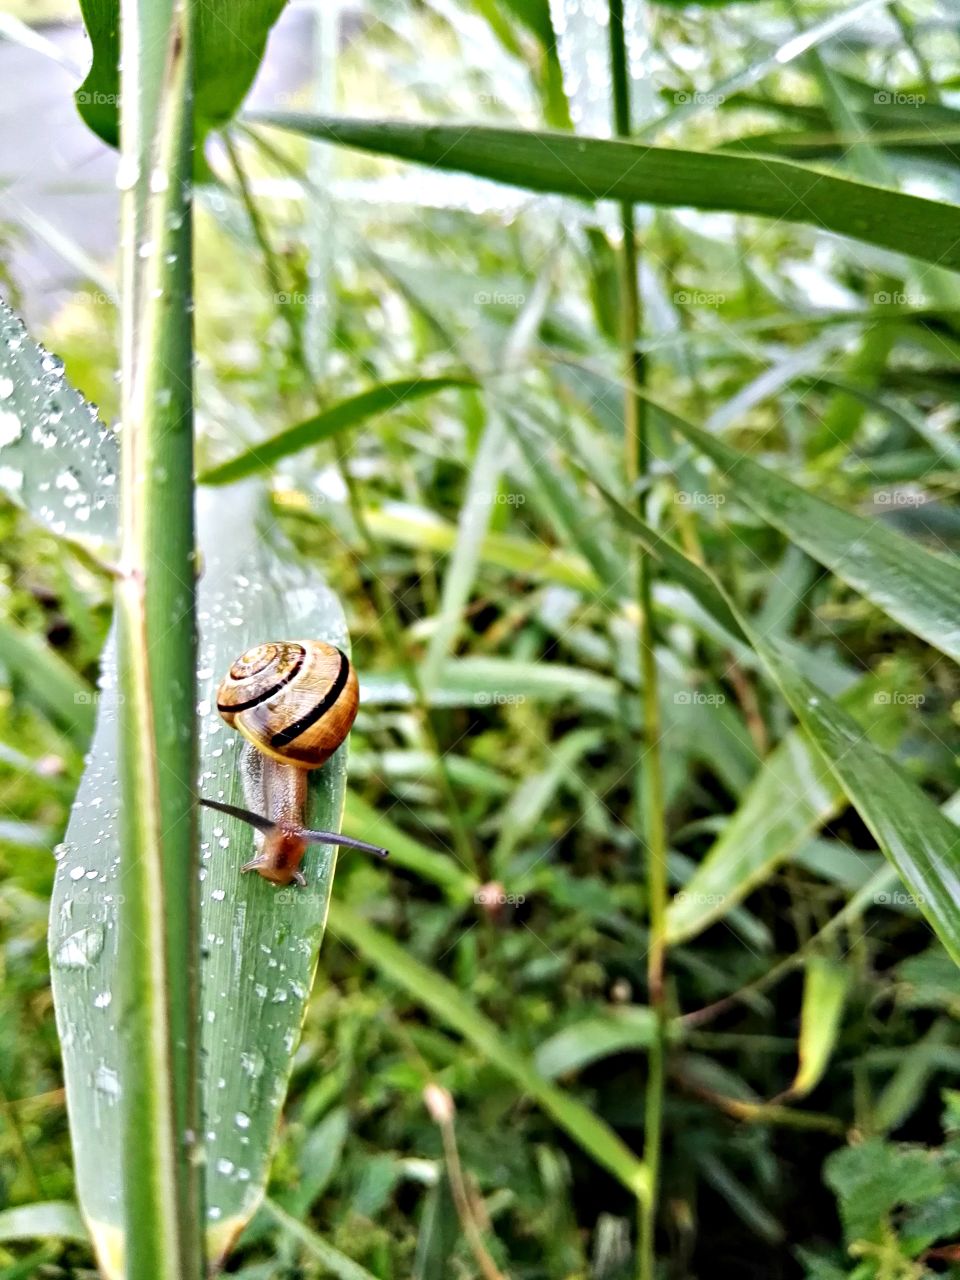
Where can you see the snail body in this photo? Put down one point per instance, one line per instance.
(294, 702)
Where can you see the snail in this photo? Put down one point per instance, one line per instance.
(294, 702)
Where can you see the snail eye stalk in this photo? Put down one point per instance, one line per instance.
(310, 836)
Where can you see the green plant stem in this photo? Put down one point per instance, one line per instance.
(650, 793)
(159, 940)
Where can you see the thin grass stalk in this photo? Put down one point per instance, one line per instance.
(159, 941)
(650, 815)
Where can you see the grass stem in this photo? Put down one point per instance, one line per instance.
(650, 793)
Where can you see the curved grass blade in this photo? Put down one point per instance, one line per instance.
(920, 590)
(824, 992)
(919, 841)
(57, 459)
(259, 943)
(48, 1220)
(597, 169)
(793, 794)
(323, 426)
(576, 1046)
(450, 1005)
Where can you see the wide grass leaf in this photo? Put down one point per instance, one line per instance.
(598, 169)
(920, 590)
(259, 943)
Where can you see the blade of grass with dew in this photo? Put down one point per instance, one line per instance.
(450, 1005)
(57, 459)
(919, 590)
(598, 169)
(824, 991)
(322, 426)
(260, 944)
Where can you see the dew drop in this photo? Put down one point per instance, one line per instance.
(81, 949)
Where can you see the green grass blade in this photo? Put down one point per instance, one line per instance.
(597, 169)
(684, 571)
(323, 426)
(919, 841)
(57, 459)
(793, 794)
(408, 526)
(48, 1220)
(450, 1005)
(474, 520)
(590, 1039)
(920, 590)
(824, 992)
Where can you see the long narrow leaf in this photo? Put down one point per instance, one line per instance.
(322, 426)
(920, 590)
(919, 841)
(597, 169)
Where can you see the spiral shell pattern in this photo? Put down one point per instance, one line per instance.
(295, 700)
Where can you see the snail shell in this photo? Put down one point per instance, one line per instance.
(294, 700)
